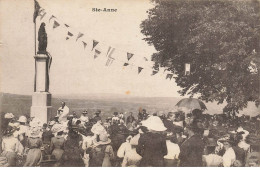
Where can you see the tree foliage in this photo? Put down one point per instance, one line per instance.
(220, 39)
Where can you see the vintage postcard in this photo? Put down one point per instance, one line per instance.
(129, 83)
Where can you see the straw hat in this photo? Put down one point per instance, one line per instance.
(22, 119)
(9, 115)
(102, 139)
(154, 123)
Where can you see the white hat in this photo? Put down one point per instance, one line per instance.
(154, 123)
(9, 115)
(22, 119)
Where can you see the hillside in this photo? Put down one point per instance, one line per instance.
(108, 103)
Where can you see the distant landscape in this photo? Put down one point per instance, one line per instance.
(107, 103)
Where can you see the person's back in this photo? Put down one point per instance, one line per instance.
(191, 152)
(152, 147)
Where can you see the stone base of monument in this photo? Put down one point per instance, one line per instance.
(41, 106)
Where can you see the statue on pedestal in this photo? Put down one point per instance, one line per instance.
(42, 46)
(42, 38)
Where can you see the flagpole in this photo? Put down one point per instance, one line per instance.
(35, 37)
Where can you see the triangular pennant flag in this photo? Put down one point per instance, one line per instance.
(55, 24)
(67, 25)
(109, 61)
(129, 56)
(51, 18)
(67, 38)
(169, 76)
(79, 35)
(154, 72)
(84, 44)
(42, 15)
(110, 51)
(36, 10)
(70, 34)
(140, 69)
(97, 53)
(94, 44)
(145, 59)
(126, 64)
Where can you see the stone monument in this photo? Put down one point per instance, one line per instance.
(41, 98)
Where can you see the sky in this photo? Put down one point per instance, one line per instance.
(74, 69)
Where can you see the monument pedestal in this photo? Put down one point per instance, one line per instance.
(41, 98)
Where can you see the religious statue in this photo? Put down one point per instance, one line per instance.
(42, 38)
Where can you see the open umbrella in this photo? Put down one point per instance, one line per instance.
(191, 103)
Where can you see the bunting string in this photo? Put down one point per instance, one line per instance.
(110, 51)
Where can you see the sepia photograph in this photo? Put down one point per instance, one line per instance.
(129, 83)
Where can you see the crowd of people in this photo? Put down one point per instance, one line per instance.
(149, 140)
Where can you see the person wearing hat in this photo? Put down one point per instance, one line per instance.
(46, 138)
(84, 118)
(57, 146)
(102, 154)
(173, 150)
(131, 157)
(229, 156)
(253, 157)
(210, 158)
(34, 155)
(23, 130)
(97, 116)
(191, 150)
(73, 152)
(152, 144)
(10, 146)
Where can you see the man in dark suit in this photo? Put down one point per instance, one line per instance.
(191, 150)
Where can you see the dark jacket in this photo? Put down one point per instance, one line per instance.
(152, 147)
(191, 152)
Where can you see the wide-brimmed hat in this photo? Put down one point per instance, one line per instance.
(102, 139)
(22, 119)
(9, 115)
(227, 138)
(154, 123)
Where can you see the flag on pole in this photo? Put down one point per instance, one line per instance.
(97, 53)
(79, 36)
(84, 44)
(55, 24)
(129, 56)
(36, 10)
(51, 18)
(126, 64)
(187, 69)
(42, 13)
(110, 51)
(154, 72)
(140, 69)
(169, 76)
(94, 44)
(67, 25)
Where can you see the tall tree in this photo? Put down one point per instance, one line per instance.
(220, 39)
